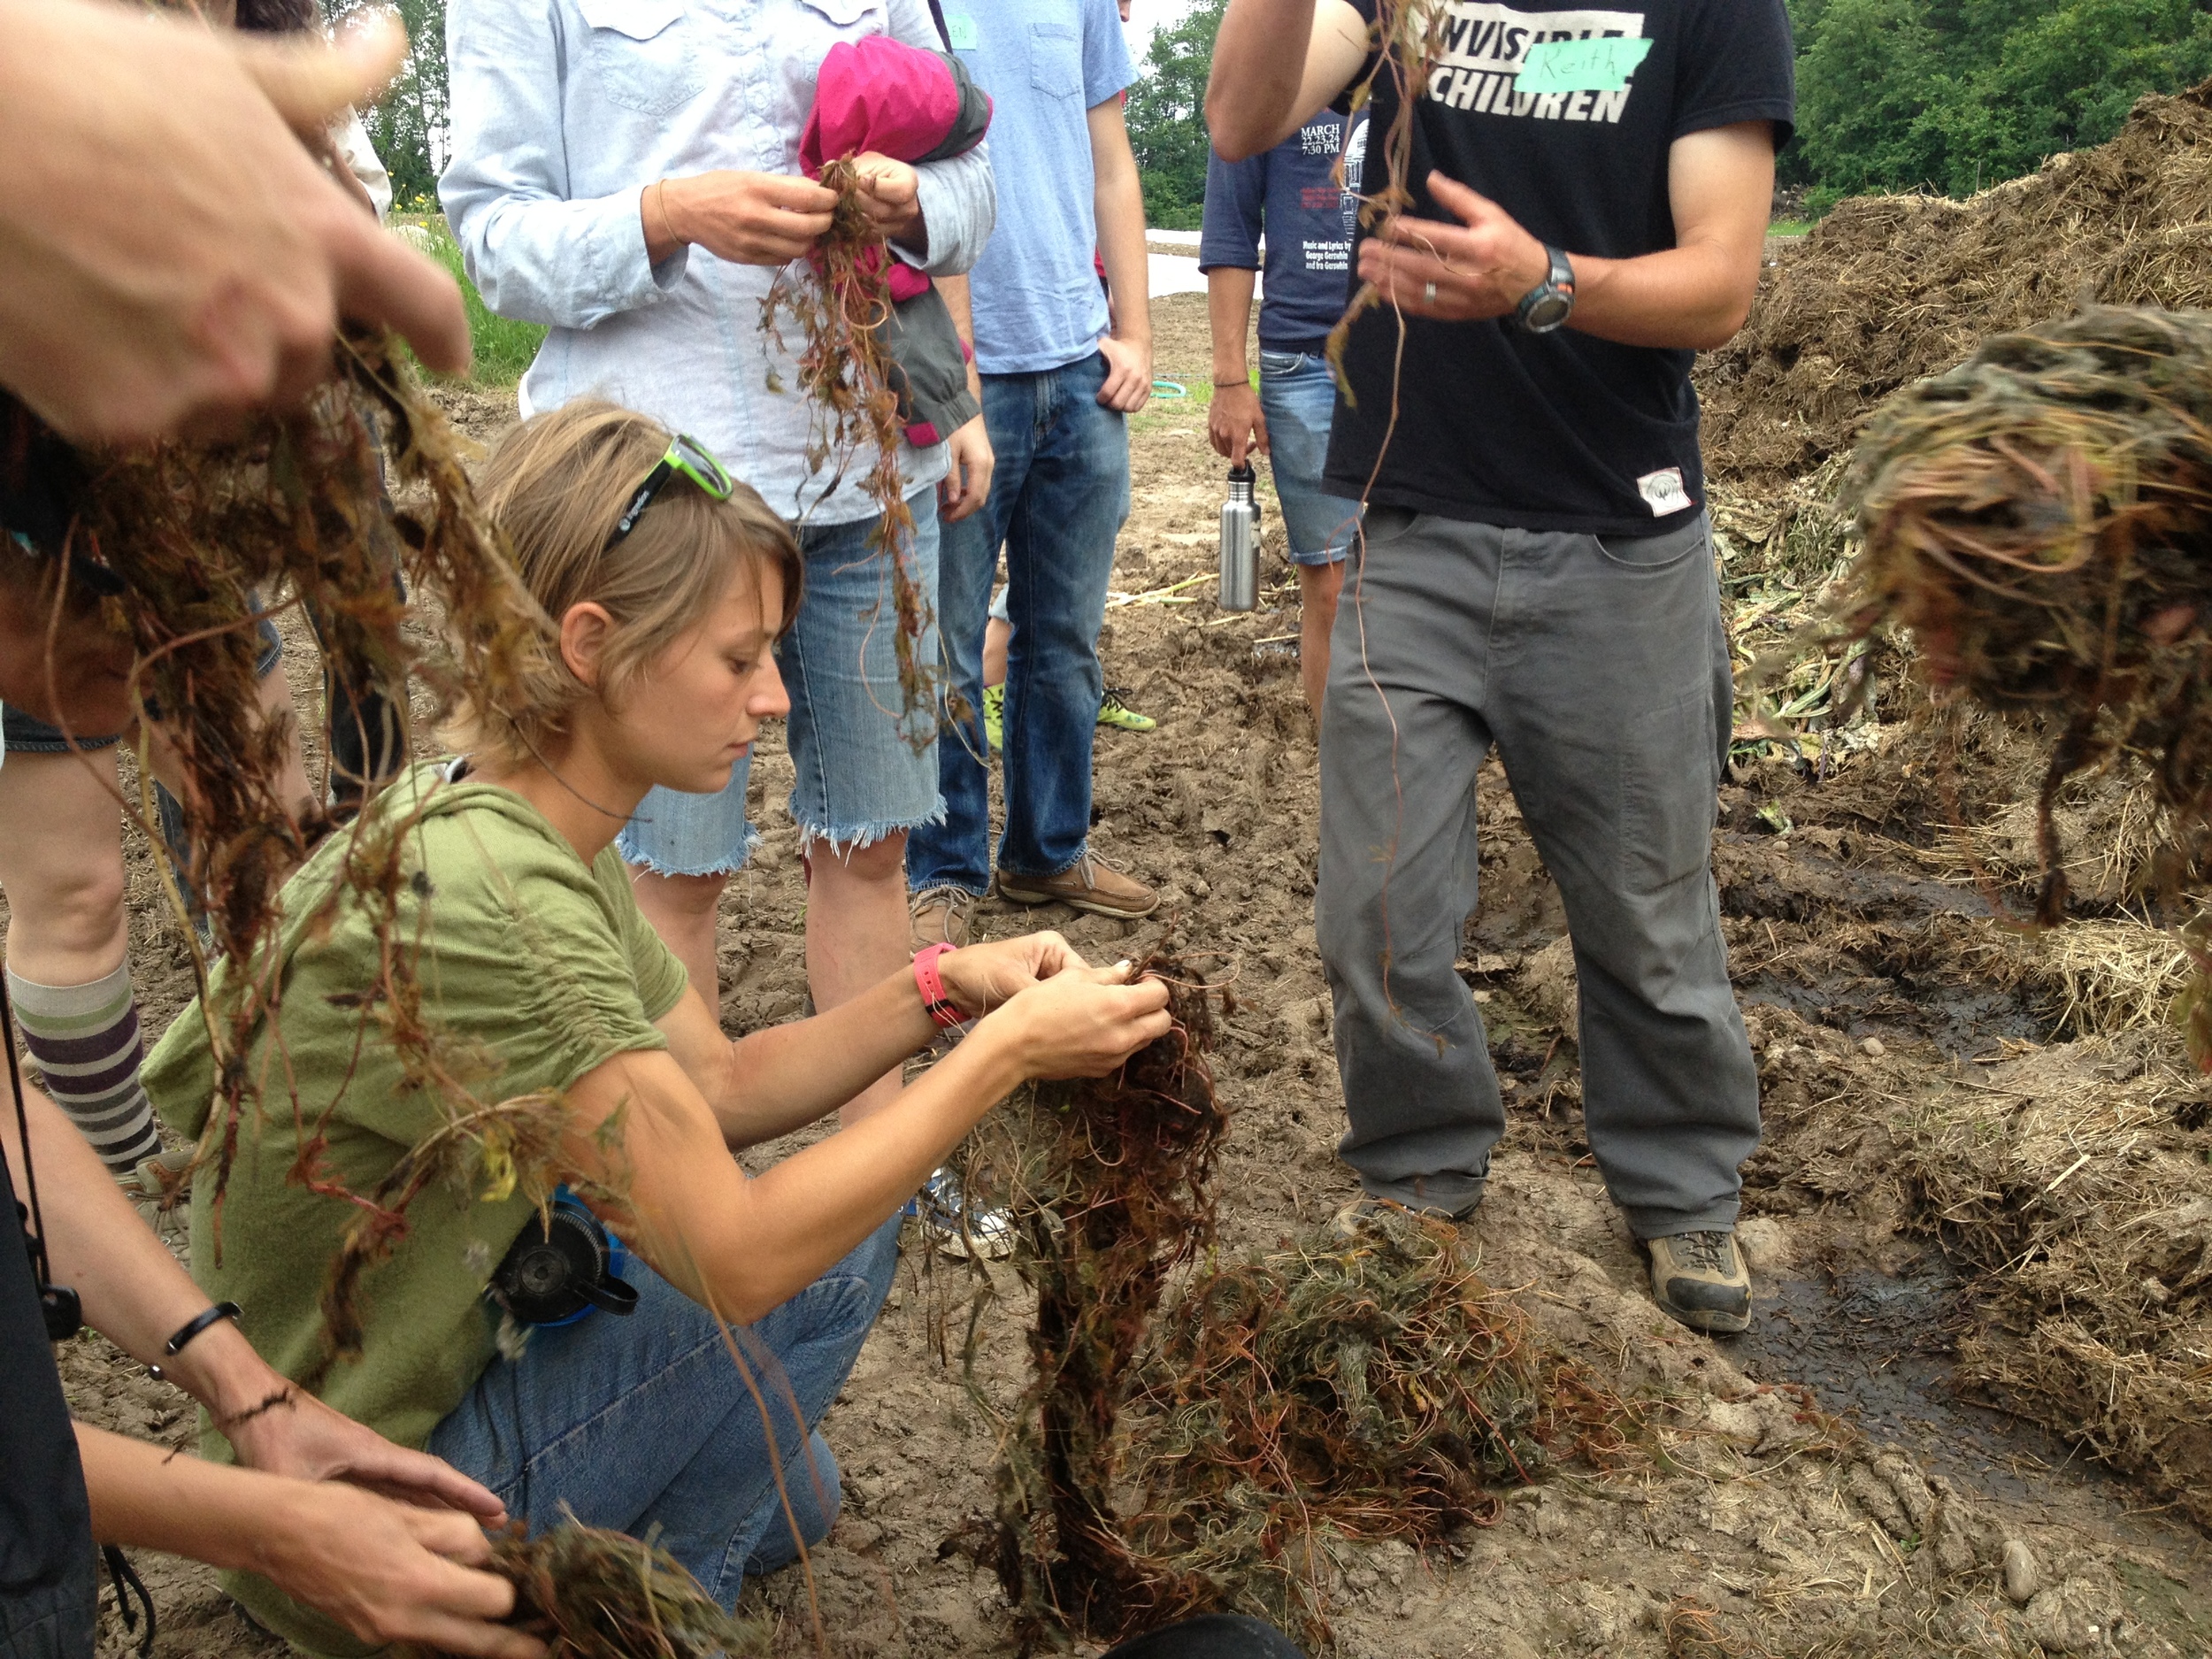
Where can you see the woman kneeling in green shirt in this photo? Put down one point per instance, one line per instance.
(668, 588)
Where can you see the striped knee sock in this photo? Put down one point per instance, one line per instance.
(84, 1041)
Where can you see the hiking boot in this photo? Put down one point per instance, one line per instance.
(1090, 884)
(958, 1230)
(994, 716)
(1700, 1278)
(939, 916)
(1115, 712)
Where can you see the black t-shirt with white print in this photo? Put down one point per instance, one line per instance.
(1561, 430)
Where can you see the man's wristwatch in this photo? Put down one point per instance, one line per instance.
(1551, 302)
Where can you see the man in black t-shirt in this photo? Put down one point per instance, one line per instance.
(1591, 191)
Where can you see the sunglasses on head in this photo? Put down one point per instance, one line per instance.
(686, 455)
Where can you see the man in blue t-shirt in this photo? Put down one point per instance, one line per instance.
(1291, 194)
(1060, 378)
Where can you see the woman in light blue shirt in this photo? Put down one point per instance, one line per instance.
(627, 172)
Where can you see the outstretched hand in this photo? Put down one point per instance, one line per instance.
(295, 1433)
(1479, 268)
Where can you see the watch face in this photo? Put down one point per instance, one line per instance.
(1548, 313)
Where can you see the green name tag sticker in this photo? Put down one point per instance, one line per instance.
(961, 27)
(1591, 66)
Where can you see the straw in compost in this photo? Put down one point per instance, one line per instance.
(1363, 1381)
(839, 299)
(2038, 518)
(1121, 1199)
(592, 1594)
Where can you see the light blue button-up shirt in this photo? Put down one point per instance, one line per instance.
(564, 111)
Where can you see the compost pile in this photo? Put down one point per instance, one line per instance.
(1888, 289)
(1362, 1382)
(2039, 517)
(592, 1594)
(839, 299)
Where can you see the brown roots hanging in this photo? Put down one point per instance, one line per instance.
(1360, 1383)
(2040, 518)
(840, 299)
(204, 538)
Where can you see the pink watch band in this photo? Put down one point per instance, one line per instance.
(941, 1009)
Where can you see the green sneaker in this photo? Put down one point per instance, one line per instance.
(1114, 711)
(994, 716)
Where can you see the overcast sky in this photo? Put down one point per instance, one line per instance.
(1147, 15)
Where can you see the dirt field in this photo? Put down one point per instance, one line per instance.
(1966, 1130)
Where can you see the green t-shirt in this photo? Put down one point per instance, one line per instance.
(544, 966)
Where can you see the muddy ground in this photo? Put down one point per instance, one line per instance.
(1839, 1481)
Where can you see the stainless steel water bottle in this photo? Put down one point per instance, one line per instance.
(1240, 543)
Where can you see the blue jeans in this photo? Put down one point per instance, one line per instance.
(1298, 396)
(646, 1421)
(864, 768)
(1058, 501)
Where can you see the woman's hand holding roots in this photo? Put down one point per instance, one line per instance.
(1064, 1018)
(1462, 273)
(391, 1573)
(764, 218)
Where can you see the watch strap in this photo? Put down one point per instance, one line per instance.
(1559, 282)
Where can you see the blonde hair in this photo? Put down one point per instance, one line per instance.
(556, 487)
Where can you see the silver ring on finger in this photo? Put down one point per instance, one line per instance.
(1428, 294)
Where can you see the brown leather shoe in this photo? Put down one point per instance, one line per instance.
(939, 916)
(1090, 884)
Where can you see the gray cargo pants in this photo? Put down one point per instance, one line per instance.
(1600, 670)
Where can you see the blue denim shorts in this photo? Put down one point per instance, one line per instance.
(1298, 396)
(866, 769)
(21, 734)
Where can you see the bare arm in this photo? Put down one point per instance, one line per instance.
(742, 1247)
(1277, 65)
(970, 461)
(387, 1572)
(1119, 200)
(136, 1295)
(1694, 294)
(1233, 421)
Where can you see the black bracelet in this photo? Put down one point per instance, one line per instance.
(192, 1327)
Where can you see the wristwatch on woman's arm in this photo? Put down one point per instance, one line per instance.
(1551, 302)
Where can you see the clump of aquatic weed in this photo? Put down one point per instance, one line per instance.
(1360, 1382)
(588, 1593)
(201, 538)
(839, 298)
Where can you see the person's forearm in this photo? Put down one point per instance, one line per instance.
(1691, 298)
(1229, 315)
(1259, 64)
(134, 1291)
(960, 304)
(781, 1077)
(1119, 200)
(149, 1497)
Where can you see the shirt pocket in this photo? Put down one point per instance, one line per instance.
(1056, 60)
(844, 13)
(643, 55)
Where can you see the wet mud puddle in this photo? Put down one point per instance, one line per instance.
(1874, 1350)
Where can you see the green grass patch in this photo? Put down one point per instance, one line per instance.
(503, 346)
(1789, 226)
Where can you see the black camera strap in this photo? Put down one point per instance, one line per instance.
(62, 1311)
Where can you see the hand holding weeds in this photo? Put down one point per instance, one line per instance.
(764, 218)
(981, 978)
(1083, 1022)
(173, 254)
(390, 1573)
(295, 1433)
(890, 194)
(1479, 268)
